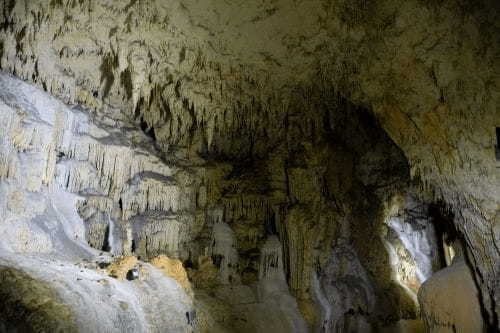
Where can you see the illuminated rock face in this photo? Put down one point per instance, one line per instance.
(55, 163)
(260, 144)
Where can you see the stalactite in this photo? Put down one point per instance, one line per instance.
(271, 260)
(163, 236)
(252, 207)
(153, 195)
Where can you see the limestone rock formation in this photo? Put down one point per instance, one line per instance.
(450, 300)
(54, 161)
(261, 166)
(174, 269)
(119, 268)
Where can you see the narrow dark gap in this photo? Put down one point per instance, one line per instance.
(106, 246)
(445, 229)
(270, 225)
(149, 131)
(133, 246)
(217, 259)
(144, 125)
(188, 263)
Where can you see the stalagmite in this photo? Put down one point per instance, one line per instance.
(450, 300)
(223, 252)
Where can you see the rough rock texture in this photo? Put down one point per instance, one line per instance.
(120, 267)
(174, 269)
(31, 306)
(213, 131)
(45, 152)
(446, 310)
(262, 234)
(56, 201)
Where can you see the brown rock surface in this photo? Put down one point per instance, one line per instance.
(120, 267)
(174, 269)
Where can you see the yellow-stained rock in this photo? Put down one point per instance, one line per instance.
(121, 266)
(174, 269)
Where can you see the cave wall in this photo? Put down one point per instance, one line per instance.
(259, 229)
(54, 159)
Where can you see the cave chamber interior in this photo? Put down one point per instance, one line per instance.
(161, 173)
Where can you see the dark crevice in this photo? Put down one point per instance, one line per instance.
(149, 131)
(106, 246)
(126, 82)
(107, 77)
(217, 259)
(60, 155)
(270, 225)
(446, 232)
(188, 263)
